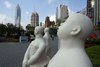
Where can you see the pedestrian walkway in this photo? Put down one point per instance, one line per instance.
(11, 54)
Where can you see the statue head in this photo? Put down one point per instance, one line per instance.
(77, 26)
(38, 30)
(46, 30)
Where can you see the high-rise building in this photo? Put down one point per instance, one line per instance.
(62, 13)
(90, 10)
(34, 19)
(93, 10)
(18, 16)
(96, 12)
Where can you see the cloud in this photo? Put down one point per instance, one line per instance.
(7, 4)
(49, 1)
(5, 19)
(23, 25)
(27, 12)
(70, 11)
(52, 17)
(43, 22)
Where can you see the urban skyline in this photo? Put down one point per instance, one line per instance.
(43, 8)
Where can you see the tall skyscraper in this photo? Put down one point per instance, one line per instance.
(62, 13)
(93, 10)
(18, 16)
(34, 19)
(90, 10)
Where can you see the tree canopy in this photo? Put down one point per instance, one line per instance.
(9, 29)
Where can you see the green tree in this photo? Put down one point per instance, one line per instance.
(59, 22)
(3, 29)
(30, 29)
(98, 26)
(10, 28)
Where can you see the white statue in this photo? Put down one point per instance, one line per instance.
(72, 34)
(35, 55)
(47, 40)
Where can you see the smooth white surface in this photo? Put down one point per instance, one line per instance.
(72, 34)
(47, 40)
(35, 55)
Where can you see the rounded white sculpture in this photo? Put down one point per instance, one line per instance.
(47, 40)
(72, 34)
(35, 55)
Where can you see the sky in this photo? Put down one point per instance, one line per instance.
(43, 7)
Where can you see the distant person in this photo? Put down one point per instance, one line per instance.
(52, 37)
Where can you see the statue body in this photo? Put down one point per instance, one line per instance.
(35, 55)
(70, 58)
(72, 34)
(47, 40)
(43, 59)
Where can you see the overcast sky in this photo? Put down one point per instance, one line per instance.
(42, 7)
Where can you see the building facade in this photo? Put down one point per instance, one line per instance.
(49, 23)
(62, 13)
(34, 19)
(96, 12)
(18, 16)
(84, 11)
(93, 11)
(90, 10)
